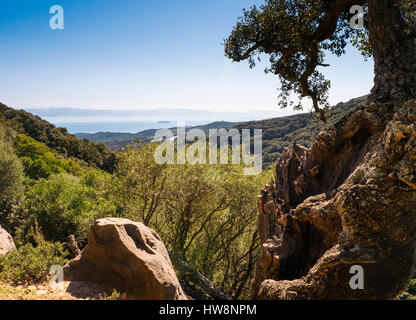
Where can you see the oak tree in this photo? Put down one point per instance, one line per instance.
(296, 35)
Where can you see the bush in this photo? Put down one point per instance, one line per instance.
(64, 205)
(205, 214)
(29, 264)
(11, 177)
(58, 139)
(410, 293)
(412, 287)
(39, 162)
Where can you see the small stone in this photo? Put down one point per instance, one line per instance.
(41, 292)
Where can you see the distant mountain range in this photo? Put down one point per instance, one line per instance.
(278, 133)
(116, 141)
(65, 115)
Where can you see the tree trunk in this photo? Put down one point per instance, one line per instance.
(394, 53)
(348, 201)
(188, 274)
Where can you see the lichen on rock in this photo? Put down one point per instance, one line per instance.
(129, 257)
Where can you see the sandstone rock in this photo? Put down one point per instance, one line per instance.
(349, 200)
(129, 257)
(6, 242)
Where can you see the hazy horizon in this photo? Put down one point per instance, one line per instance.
(153, 55)
(133, 121)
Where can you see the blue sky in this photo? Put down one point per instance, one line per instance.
(141, 54)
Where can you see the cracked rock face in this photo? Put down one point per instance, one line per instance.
(129, 257)
(348, 200)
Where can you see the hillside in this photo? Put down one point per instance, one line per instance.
(58, 139)
(278, 133)
(50, 198)
(116, 141)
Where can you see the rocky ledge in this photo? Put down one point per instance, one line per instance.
(129, 257)
(348, 200)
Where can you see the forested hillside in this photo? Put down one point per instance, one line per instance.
(205, 215)
(117, 141)
(58, 139)
(280, 133)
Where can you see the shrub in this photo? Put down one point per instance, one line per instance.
(410, 293)
(29, 264)
(205, 214)
(113, 296)
(64, 205)
(58, 139)
(39, 162)
(11, 177)
(412, 287)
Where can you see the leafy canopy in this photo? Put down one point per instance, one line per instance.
(39, 162)
(296, 34)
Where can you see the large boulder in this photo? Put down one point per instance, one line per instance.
(6, 242)
(129, 257)
(348, 200)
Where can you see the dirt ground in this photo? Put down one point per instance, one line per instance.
(73, 290)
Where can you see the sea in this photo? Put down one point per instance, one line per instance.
(121, 127)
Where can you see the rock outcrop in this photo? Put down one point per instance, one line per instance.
(129, 257)
(348, 200)
(6, 242)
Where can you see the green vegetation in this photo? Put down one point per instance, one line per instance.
(39, 161)
(205, 214)
(58, 139)
(59, 198)
(64, 205)
(410, 293)
(11, 176)
(280, 133)
(113, 296)
(29, 264)
(296, 36)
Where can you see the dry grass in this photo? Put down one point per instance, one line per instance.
(66, 291)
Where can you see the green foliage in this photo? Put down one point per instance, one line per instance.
(278, 133)
(281, 133)
(118, 141)
(113, 296)
(58, 139)
(29, 264)
(409, 13)
(39, 162)
(11, 176)
(139, 184)
(65, 205)
(410, 293)
(412, 287)
(295, 36)
(205, 214)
